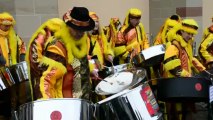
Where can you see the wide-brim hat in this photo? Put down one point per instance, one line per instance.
(78, 18)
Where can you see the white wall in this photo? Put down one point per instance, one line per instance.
(207, 13)
(106, 9)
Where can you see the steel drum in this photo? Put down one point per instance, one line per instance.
(183, 89)
(19, 72)
(119, 81)
(56, 109)
(13, 75)
(103, 73)
(150, 56)
(16, 79)
(6, 78)
(136, 104)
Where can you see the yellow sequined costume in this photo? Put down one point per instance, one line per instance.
(130, 38)
(178, 59)
(36, 49)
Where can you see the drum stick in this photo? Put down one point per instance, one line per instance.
(113, 69)
(104, 80)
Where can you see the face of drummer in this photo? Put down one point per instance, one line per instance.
(134, 21)
(77, 34)
(187, 36)
(5, 27)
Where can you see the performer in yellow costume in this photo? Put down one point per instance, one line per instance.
(98, 43)
(100, 50)
(169, 23)
(36, 48)
(208, 30)
(179, 60)
(65, 68)
(12, 51)
(206, 48)
(111, 32)
(132, 37)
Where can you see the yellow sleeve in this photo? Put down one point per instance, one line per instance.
(55, 71)
(107, 48)
(197, 65)
(119, 50)
(203, 49)
(171, 60)
(145, 41)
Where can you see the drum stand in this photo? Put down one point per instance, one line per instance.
(14, 115)
(210, 112)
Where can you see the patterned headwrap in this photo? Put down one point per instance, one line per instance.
(94, 16)
(190, 26)
(134, 13)
(6, 19)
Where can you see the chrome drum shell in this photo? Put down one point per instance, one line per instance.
(129, 105)
(56, 109)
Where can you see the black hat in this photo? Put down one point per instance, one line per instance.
(79, 19)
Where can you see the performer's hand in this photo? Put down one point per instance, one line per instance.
(109, 58)
(94, 75)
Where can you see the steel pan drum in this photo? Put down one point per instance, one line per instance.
(15, 78)
(6, 78)
(19, 72)
(114, 69)
(12, 75)
(56, 109)
(136, 104)
(120, 80)
(150, 56)
(183, 89)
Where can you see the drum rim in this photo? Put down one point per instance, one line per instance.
(57, 99)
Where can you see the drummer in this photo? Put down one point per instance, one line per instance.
(161, 38)
(132, 37)
(98, 49)
(111, 32)
(12, 51)
(36, 48)
(178, 60)
(169, 23)
(206, 48)
(65, 69)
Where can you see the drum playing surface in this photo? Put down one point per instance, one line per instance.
(120, 81)
(114, 83)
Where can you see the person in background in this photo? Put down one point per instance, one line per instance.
(179, 61)
(65, 68)
(99, 49)
(36, 48)
(111, 32)
(205, 49)
(169, 23)
(160, 39)
(12, 51)
(132, 37)
(208, 30)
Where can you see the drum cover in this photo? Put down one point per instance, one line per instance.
(150, 56)
(119, 81)
(183, 89)
(56, 109)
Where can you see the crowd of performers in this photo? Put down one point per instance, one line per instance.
(61, 54)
